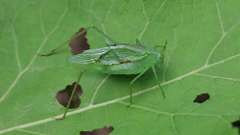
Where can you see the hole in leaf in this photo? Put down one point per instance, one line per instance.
(100, 131)
(79, 42)
(201, 98)
(64, 95)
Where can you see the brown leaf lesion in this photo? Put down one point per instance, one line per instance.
(100, 131)
(79, 42)
(63, 96)
(201, 98)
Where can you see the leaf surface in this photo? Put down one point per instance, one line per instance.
(202, 56)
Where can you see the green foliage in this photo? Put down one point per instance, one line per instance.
(203, 55)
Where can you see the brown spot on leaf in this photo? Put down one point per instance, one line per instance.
(201, 98)
(79, 42)
(100, 131)
(64, 95)
(236, 124)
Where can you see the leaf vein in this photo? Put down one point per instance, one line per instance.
(30, 124)
(30, 132)
(21, 73)
(217, 77)
(15, 39)
(150, 20)
(219, 14)
(90, 107)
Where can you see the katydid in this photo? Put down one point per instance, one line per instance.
(120, 59)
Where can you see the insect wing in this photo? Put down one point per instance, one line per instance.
(88, 56)
(121, 56)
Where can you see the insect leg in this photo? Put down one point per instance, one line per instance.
(162, 52)
(71, 96)
(110, 41)
(131, 83)
(138, 42)
(163, 58)
(55, 50)
(158, 82)
(162, 47)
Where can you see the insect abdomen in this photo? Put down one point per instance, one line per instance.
(131, 67)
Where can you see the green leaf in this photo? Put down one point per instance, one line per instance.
(202, 56)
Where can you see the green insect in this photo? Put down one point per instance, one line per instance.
(121, 59)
